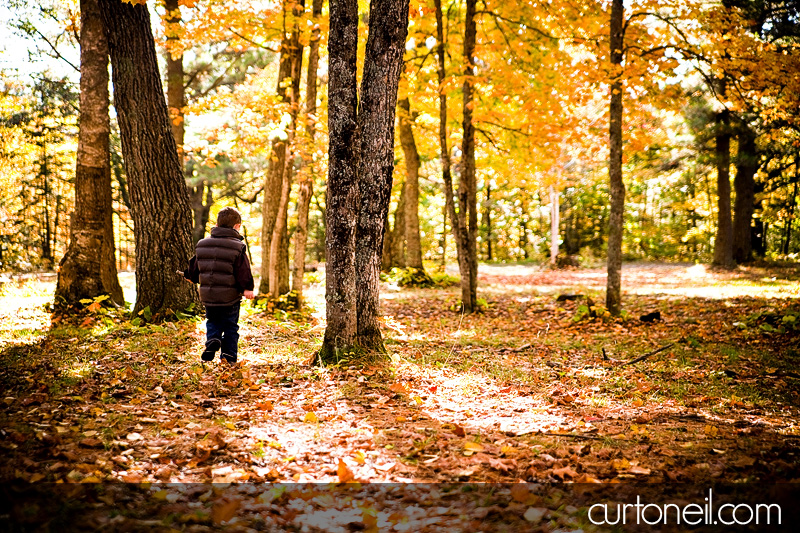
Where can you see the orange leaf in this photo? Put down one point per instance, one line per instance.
(223, 510)
(345, 474)
(520, 492)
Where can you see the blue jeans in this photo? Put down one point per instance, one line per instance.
(222, 322)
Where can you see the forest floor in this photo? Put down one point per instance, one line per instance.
(529, 391)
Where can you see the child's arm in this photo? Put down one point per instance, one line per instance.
(244, 275)
(193, 272)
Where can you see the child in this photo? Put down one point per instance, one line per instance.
(222, 268)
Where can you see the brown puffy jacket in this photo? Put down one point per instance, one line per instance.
(221, 267)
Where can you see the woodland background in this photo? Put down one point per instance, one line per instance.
(694, 73)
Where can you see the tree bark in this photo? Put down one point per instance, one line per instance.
(487, 221)
(159, 199)
(307, 183)
(616, 185)
(459, 232)
(273, 182)
(88, 269)
(398, 257)
(341, 197)
(723, 244)
(747, 163)
(279, 243)
(383, 63)
(467, 186)
(361, 161)
(411, 187)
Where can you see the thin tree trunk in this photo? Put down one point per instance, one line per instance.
(723, 244)
(554, 225)
(411, 186)
(790, 219)
(398, 258)
(88, 268)
(388, 242)
(383, 63)
(273, 182)
(487, 221)
(307, 183)
(279, 244)
(467, 186)
(159, 199)
(616, 185)
(747, 162)
(457, 221)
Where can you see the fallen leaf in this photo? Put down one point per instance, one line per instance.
(398, 388)
(565, 472)
(311, 418)
(344, 473)
(359, 457)
(520, 493)
(639, 470)
(535, 514)
(134, 437)
(223, 510)
(459, 431)
(473, 446)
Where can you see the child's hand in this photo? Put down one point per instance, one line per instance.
(249, 295)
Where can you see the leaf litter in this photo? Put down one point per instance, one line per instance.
(518, 394)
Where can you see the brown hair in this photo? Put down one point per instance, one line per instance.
(228, 217)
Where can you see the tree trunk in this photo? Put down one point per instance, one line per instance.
(747, 162)
(273, 182)
(723, 244)
(361, 161)
(411, 187)
(341, 199)
(790, 219)
(398, 258)
(388, 242)
(487, 221)
(459, 232)
(383, 63)
(467, 187)
(279, 243)
(554, 225)
(159, 200)
(616, 185)
(88, 268)
(307, 183)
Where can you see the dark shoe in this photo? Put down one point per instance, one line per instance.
(211, 349)
(228, 358)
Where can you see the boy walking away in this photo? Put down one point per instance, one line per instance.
(222, 268)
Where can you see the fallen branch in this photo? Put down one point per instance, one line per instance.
(623, 362)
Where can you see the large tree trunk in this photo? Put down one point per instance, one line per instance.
(467, 185)
(159, 200)
(411, 187)
(361, 155)
(88, 268)
(747, 162)
(383, 63)
(723, 244)
(279, 244)
(616, 185)
(341, 198)
(307, 183)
